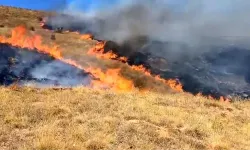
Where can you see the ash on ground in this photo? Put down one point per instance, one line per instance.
(28, 67)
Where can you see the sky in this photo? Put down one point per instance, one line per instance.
(54, 4)
(57, 4)
(92, 4)
(31, 4)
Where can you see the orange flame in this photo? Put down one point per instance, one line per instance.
(224, 99)
(86, 37)
(20, 39)
(210, 97)
(170, 82)
(141, 68)
(110, 78)
(98, 51)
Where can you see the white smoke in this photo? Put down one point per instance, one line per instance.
(191, 21)
(194, 37)
(57, 72)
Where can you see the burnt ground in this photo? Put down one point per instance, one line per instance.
(23, 66)
(219, 70)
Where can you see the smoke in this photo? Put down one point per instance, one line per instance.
(192, 22)
(61, 74)
(27, 67)
(189, 21)
(204, 42)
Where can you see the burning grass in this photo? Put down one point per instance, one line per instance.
(218, 70)
(112, 78)
(81, 118)
(109, 79)
(98, 51)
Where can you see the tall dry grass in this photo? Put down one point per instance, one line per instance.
(81, 118)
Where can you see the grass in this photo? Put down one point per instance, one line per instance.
(81, 118)
(11, 16)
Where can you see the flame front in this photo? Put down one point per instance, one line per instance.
(110, 79)
(86, 37)
(20, 39)
(98, 51)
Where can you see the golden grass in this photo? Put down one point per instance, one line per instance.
(11, 16)
(82, 118)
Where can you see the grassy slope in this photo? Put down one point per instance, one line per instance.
(81, 118)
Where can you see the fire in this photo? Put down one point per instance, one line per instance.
(221, 99)
(224, 99)
(20, 39)
(111, 78)
(170, 82)
(141, 68)
(174, 84)
(86, 37)
(98, 51)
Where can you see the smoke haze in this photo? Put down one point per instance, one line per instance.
(27, 67)
(204, 42)
(192, 21)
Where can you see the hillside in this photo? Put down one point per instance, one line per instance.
(84, 118)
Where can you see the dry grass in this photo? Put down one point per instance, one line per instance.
(11, 16)
(81, 118)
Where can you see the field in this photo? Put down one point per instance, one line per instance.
(82, 118)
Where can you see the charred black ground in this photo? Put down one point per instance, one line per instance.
(218, 70)
(24, 66)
